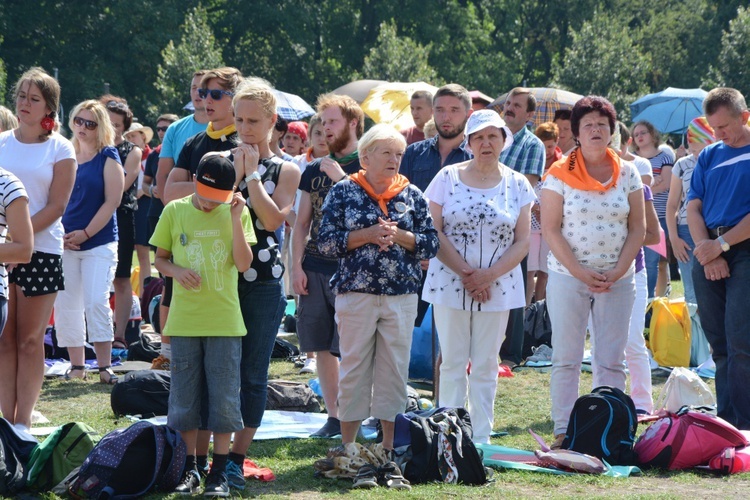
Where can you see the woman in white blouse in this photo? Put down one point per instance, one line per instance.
(593, 220)
(45, 162)
(482, 212)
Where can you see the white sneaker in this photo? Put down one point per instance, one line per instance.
(310, 366)
(542, 356)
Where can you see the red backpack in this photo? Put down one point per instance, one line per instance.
(686, 439)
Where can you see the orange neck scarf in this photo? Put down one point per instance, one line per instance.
(397, 185)
(572, 171)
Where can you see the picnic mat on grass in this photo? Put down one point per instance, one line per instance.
(286, 425)
(502, 457)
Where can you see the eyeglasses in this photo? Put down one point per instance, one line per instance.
(162, 129)
(80, 122)
(639, 134)
(216, 94)
(117, 106)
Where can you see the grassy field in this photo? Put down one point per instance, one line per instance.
(522, 403)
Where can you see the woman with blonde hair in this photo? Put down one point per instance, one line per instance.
(90, 255)
(268, 184)
(8, 120)
(45, 163)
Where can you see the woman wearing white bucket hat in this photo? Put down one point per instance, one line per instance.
(482, 211)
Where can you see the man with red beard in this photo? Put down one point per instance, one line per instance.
(343, 123)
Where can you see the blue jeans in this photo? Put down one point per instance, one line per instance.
(725, 309)
(262, 304)
(686, 268)
(210, 365)
(652, 261)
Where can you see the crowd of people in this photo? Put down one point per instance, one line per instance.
(469, 211)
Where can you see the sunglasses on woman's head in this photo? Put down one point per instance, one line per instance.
(216, 94)
(117, 106)
(81, 122)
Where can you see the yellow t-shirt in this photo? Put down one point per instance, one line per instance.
(202, 241)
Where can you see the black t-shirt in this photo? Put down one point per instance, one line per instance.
(199, 145)
(317, 184)
(129, 201)
(152, 166)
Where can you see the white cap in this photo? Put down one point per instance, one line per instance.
(484, 118)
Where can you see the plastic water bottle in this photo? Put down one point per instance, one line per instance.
(314, 384)
(425, 404)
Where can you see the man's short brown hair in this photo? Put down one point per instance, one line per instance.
(229, 78)
(454, 90)
(350, 110)
(547, 131)
(530, 99)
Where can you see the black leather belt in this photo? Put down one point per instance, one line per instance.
(719, 231)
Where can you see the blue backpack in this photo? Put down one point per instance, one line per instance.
(128, 463)
(603, 424)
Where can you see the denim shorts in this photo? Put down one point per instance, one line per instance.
(218, 360)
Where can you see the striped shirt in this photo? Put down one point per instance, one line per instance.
(10, 190)
(658, 162)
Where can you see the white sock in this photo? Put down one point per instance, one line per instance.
(166, 350)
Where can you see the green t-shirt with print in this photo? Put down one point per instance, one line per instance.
(202, 241)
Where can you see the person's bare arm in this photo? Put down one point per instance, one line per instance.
(18, 250)
(63, 178)
(163, 169)
(132, 168)
(680, 248)
(178, 185)
(300, 234)
(241, 252)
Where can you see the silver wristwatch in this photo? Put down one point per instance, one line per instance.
(724, 244)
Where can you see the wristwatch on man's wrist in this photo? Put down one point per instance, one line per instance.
(255, 176)
(724, 244)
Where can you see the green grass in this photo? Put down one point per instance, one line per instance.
(522, 402)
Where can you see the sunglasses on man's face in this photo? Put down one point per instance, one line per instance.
(81, 122)
(162, 129)
(216, 94)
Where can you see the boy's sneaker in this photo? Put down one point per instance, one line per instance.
(160, 363)
(190, 483)
(542, 356)
(331, 429)
(217, 485)
(310, 366)
(235, 475)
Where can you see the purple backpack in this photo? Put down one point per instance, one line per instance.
(686, 439)
(128, 463)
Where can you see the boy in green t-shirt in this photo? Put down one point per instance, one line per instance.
(208, 237)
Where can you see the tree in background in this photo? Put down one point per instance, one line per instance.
(731, 68)
(603, 60)
(397, 59)
(196, 50)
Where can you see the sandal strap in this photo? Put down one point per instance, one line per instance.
(104, 368)
(77, 367)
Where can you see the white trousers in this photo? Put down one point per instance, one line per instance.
(476, 337)
(570, 302)
(84, 304)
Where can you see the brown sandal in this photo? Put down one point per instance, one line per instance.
(75, 368)
(111, 379)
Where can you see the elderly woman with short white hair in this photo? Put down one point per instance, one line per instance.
(380, 227)
(482, 211)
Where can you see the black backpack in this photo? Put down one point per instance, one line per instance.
(283, 349)
(15, 451)
(146, 348)
(603, 424)
(291, 396)
(537, 327)
(141, 392)
(415, 446)
(128, 463)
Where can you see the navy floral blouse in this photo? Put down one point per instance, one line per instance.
(366, 269)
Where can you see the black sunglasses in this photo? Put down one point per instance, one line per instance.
(216, 94)
(117, 106)
(80, 122)
(162, 129)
